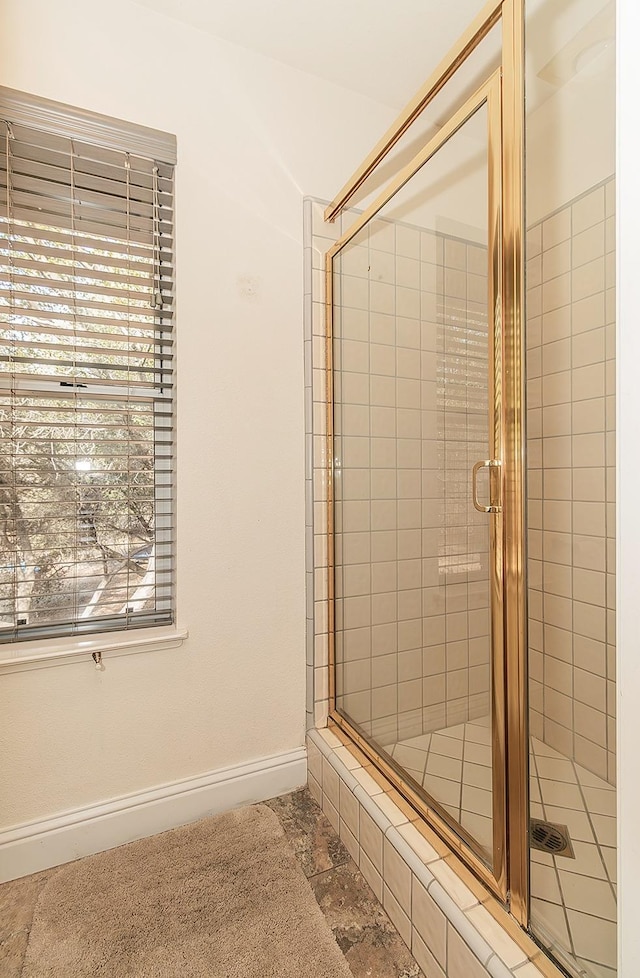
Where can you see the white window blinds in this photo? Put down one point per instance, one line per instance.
(86, 372)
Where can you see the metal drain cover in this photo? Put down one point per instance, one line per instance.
(550, 837)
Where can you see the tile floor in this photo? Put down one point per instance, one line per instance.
(573, 908)
(573, 899)
(369, 941)
(454, 766)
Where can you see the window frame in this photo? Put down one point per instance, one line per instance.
(107, 133)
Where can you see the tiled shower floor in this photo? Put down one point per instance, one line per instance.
(454, 766)
(573, 901)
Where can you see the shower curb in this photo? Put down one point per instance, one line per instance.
(468, 946)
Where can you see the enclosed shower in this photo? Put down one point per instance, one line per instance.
(471, 464)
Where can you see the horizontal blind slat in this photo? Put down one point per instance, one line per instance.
(58, 172)
(96, 295)
(100, 255)
(140, 175)
(133, 331)
(152, 359)
(89, 274)
(84, 372)
(87, 217)
(49, 140)
(28, 318)
(38, 233)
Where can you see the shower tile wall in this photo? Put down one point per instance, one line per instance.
(571, 479)
(318, 238)
(411, 552)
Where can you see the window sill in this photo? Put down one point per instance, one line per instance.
(56, 652)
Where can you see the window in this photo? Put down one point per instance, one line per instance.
(86, 367)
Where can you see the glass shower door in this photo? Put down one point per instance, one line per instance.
(570, 264)
(417, 526)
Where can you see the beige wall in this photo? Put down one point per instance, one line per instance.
(251, 140)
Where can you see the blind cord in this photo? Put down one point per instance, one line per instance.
(127, 167)
(76, 470)
(9, 136)
(157, 291)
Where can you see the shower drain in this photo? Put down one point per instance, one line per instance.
(549, 837)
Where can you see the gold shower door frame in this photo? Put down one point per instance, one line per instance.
(503, 93)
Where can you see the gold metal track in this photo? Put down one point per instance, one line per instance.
(475, 33)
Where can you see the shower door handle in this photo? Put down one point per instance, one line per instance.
(489, 463)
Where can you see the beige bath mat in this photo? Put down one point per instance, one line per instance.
(222, 898)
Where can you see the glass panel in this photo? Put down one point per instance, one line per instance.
(467, 79)
(570, 369)
(413, 408)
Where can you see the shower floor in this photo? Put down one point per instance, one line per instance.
(573, 901)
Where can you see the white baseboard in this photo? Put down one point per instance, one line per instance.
(34, 846)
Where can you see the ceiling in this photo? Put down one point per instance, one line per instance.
(383, 49)
(386, 49)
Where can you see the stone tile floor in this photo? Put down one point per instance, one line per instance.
(370, 943)
(17, 903)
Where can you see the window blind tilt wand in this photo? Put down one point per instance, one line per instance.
(86, 372)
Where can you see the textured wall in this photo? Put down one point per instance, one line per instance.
(70, 736)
